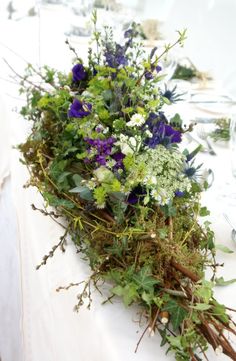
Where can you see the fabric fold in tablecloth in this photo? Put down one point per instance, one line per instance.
(4, 141)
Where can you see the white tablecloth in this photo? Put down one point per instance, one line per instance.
(37, 322)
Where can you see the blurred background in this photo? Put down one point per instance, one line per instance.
(36, 30)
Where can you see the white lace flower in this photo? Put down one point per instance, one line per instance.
(136, 120)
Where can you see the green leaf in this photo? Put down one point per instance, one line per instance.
(144, 280)
(57, 202)
(221, 281)
(223, 248)
(204, 212)
(175, 341)
(164, 336)
(219, 311)
(147, 297)
(177, 313)
(129, 293)
(118, 290)
(77, 179)
(204, 291)
(84, 192)
(163, 232)
(201, 306)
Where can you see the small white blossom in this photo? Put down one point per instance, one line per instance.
(151, 331)
(128, 144)
(164, 320)
(136, 120)
(66, 87)
(101, 205)
(91, 184)
(218, 350)
(111, 163)
(148, 133)
(150, 180)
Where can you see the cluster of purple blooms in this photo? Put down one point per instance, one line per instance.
(103, 148)
(115, 58)
(79, 109)
(162, 133)
(78, 73)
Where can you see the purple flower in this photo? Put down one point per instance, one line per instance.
(79, 72)
(153, 52)
(103, 148)
(132, 198)
(101, 159)
(162, 133)
(79, 109)
(118, 157)
(115, 58)
(148, 75)
(137, 194)
(179, 194)
(129, 33)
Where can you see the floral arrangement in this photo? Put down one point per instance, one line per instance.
(106, 158)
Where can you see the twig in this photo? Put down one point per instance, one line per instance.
(141, 337)
(23, 78)
(185, 271)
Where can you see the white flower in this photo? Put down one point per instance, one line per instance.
(150, 180)
(164, 320)
(148, 133)
(101, 205)
(91, 184)
(103, 174)
(136, 120)
(129, 144)
(218, 350)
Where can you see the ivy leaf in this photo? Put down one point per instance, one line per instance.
(147, 297)
(118, 290)
(129, 293)
(204, 212)
(204, 291)
(177, 313)
(223, 248)
(219, 311)
(221, 281)
(144, 280)
(164, 336)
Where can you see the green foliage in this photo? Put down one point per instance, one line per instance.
(144, 279)
(223, 248)
(57, 202)
(222, 282)
(177, 313)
